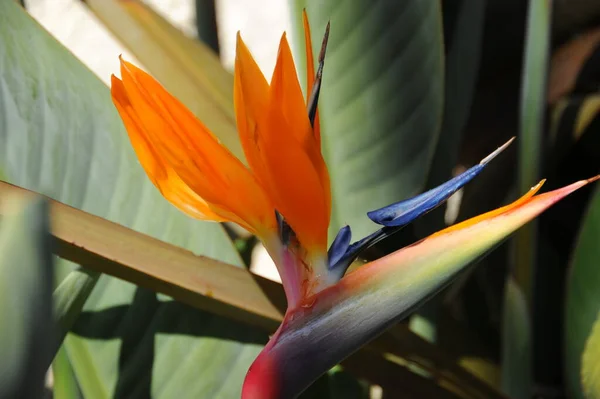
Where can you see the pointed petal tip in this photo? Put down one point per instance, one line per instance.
(566, 190)
(593, 179)
(494, 154)
(575, 186)
(283, 37)
(126, 66)
(537, 187)
(115, 85)
(239, 42)
(324, 44)
(123, 62)
(243, 56)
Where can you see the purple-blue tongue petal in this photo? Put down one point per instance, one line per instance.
(339, 246)
(404, 212)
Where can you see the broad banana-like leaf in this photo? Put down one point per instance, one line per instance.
(381, 100)
(517, 370)
(26, 274)
(582, 318)
(463, 35)
(60, 135)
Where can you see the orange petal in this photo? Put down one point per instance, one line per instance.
(310, 62)
(294, 165)
(161, 175)
(310, 74)
(194, 153)
(289, 94)
(255, 104)
(286, 91)
(250, 99)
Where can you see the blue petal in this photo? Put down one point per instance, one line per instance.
(404, 212)
(339, 246)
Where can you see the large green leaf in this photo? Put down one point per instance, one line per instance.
(381, 102)
(60, 135)
(25, 301)
(463, 34)
(582, 350)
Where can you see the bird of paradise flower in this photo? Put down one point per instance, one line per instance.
(284, 198)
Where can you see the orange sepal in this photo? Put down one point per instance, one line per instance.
(491, 214)
(160, 173)
(250, 99)
(297, 176)
(194, 153)
(286, 91)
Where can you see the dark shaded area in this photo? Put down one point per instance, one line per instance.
(206, 24)
(558, 232)
(137, 324)
(396, 381)
(494, 118)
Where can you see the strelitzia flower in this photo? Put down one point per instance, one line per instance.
(283, 197)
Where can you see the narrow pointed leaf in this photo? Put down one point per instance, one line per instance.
(533, 105)
(70, 296)
(519, 375)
